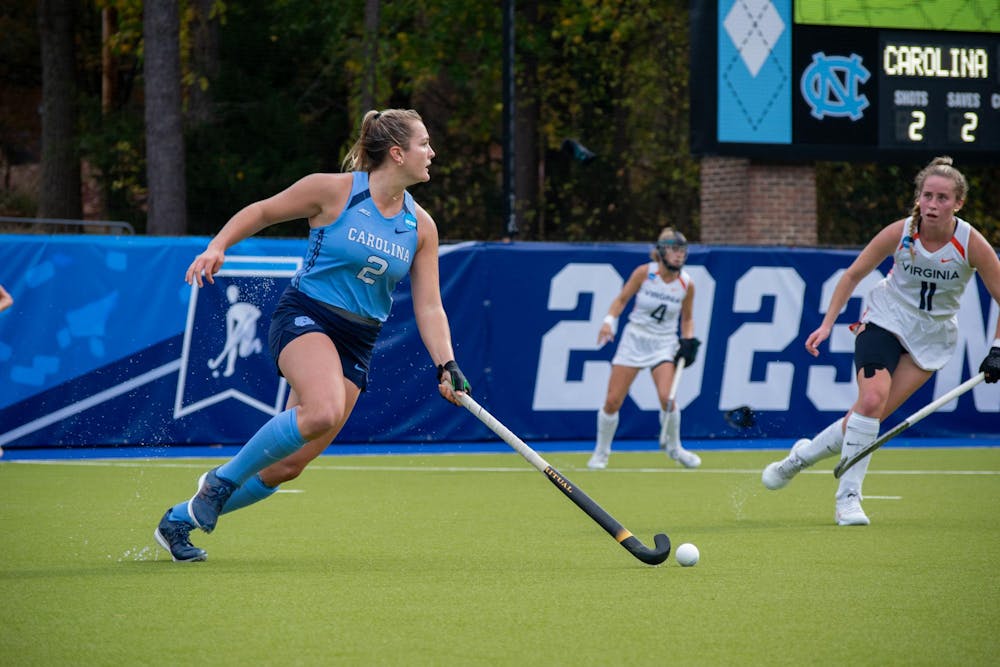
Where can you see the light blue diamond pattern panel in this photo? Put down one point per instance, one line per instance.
(754, 71)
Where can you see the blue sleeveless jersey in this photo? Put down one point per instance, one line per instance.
(355, 262)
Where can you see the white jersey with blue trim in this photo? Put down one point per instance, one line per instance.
(356, 261)
(920, 298)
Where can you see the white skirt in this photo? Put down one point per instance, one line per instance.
(637, 349)
(931, 342)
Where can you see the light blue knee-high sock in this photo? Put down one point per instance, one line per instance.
(275, 440)
(252, 491)
(179, 512)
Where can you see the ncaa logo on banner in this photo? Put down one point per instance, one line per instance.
(225, 353)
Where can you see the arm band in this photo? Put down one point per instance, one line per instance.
(611, 322)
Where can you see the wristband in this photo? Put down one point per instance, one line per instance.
(996, 342)
(611, 322)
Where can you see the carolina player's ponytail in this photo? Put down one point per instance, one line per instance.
(380, 131)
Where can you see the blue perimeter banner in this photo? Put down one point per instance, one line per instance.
(106, 345)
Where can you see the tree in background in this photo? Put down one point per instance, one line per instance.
(275, 90)
(167, 205)
(279, 106)
(20, 126)
(109, 33)
(613, 75)
(858, 199)
(203, 24)
(601, 73)
(59, 195)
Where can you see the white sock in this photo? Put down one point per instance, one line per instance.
(827, 442)
(670, 429)
(606, 427)
(861, 432)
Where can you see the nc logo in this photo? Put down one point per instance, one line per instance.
(830, 86)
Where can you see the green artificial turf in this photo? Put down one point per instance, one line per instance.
(480, 560)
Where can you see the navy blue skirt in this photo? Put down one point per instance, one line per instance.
(353, 336)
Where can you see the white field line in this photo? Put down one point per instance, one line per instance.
(144, 463)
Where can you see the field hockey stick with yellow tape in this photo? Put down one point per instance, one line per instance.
(649, 556)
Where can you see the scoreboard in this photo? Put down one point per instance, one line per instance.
(766, 84)
(939, 91)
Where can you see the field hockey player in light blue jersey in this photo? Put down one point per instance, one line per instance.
(366, 234)
(908, 330)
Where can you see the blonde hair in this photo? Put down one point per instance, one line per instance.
(666, 233)
(939, 166)
(380, 131)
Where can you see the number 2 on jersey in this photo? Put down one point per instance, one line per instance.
(366, 274)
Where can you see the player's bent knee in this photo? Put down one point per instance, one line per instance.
(314, 422)
(871, 402)
(869, 405)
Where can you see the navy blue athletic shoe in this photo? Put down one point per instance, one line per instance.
(206, 505)
(174, 537)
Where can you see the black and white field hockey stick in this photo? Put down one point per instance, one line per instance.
(678, 371)
(674, 384)
(649, 556)
(846, 464)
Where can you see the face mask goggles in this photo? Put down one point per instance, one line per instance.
(678, 244)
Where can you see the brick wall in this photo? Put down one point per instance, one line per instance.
(748, 203)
